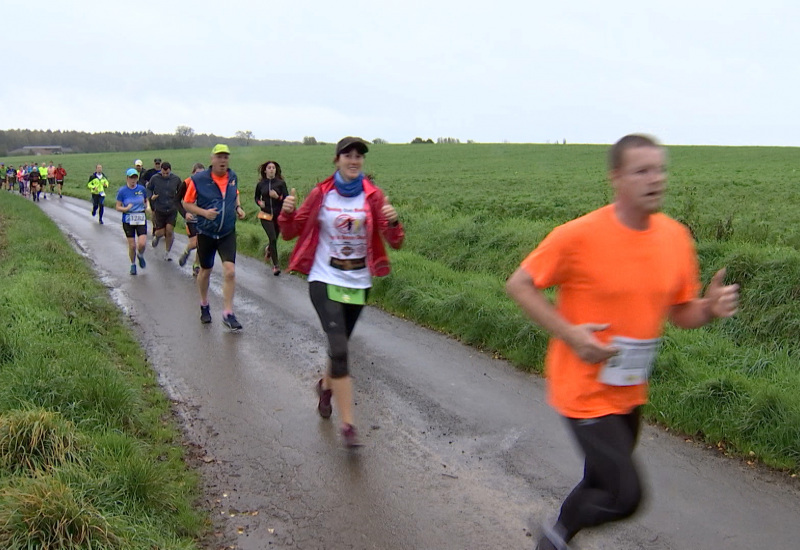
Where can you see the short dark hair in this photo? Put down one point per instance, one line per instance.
(631, 141)
(166, 166)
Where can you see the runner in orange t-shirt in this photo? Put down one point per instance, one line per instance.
(621, 272)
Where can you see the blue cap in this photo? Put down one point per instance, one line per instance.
(132, 172)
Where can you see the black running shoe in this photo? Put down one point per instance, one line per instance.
(205, 314)
(231, 322)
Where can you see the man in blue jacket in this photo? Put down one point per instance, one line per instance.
(213, 196)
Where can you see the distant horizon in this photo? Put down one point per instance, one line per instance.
(388, 142)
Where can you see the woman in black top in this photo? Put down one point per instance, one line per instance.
(270, 192)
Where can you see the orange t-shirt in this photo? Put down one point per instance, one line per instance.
(221, 181)
(608, 273)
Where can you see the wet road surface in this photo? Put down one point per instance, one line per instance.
(461, 450)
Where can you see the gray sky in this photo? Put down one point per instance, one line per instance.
(699, 72)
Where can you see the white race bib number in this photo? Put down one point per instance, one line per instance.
(633, 363)
(136, 218)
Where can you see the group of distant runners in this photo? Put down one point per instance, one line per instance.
(621, 272)
(32, 180)
(340, 230)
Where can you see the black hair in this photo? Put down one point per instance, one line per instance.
(262, 170)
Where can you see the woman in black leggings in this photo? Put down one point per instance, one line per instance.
(270, 192)
(341, 227)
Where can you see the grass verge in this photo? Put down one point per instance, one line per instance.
(89, 455)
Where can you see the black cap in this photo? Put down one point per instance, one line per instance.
(350, 142)
(157, 161)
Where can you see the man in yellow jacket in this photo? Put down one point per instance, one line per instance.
(98, 184)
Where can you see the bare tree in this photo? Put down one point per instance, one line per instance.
(184, 136)
(245, 136)
(184, 131)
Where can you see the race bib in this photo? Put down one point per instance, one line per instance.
(264, 215)
(344, 295)
(136, 218)
(633, 364)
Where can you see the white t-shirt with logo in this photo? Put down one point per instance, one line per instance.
(342, 235)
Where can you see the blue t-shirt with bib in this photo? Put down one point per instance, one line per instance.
(135, 196)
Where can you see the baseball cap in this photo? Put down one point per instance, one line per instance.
(220, 148)
(138, 162)
(132, 172)
(351, 142)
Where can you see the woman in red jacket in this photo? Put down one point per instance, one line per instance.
(341, 228)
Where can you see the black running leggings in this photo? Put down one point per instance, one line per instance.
(610, 489)
(338, 321)
(273, 231)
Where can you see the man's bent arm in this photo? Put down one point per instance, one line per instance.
(719, 301)
(193, 208)
(535, 304)
(694, 314)
(580, 338)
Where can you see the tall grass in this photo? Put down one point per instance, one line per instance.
(89, 455)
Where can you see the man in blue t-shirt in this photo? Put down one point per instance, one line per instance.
(132, 202)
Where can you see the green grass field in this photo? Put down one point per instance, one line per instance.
(473, 211)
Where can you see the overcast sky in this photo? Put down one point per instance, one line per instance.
(688, 72)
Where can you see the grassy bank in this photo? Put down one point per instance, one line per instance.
(89, 456)
(473, 211)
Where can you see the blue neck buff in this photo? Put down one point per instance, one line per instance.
(348, 188)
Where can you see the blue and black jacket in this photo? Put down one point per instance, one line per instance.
(209, 196)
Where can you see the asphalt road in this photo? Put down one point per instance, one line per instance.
(461, 450)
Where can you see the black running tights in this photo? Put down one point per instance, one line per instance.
(273, 231)
(610, 489)
(338, 321)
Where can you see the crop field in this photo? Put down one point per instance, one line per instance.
(473, 211)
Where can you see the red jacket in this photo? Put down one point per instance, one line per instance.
(303, 222)
(60, 174)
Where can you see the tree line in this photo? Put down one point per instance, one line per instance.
(13, 141)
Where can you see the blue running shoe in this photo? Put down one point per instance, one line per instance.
(205, 314)
(231, 322)
(142, 263)
(133, 269)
